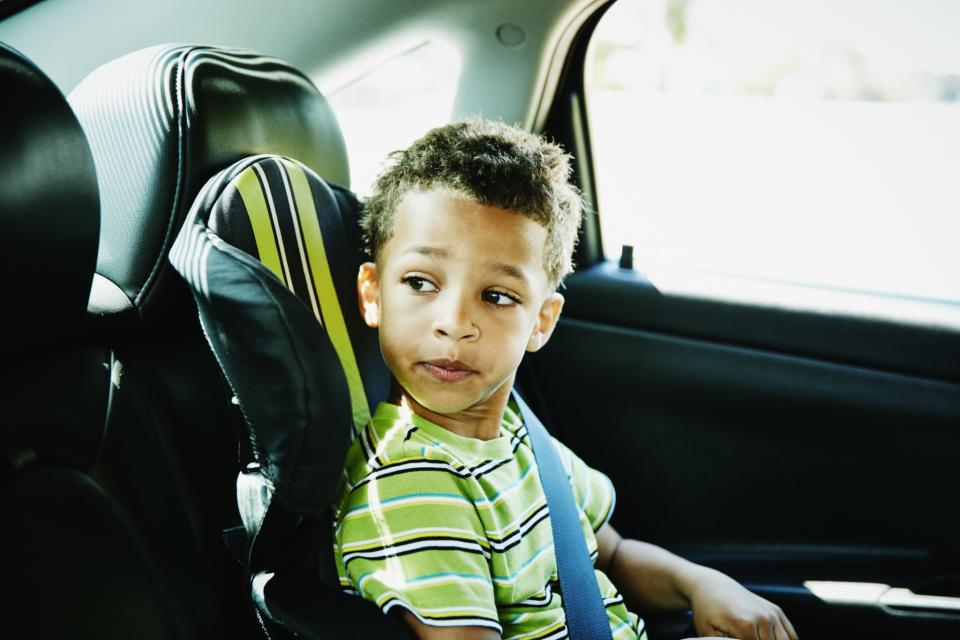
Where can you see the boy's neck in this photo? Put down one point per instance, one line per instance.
(481, 421)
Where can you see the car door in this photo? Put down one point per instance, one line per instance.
(801, 436)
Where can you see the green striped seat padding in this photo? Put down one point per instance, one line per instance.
(271, 254)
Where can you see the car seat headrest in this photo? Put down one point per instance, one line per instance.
(162, 121)
(56, 394)
(270, 252)
(49, 207)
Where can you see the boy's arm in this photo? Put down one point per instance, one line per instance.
(426, 632)
(653, 579)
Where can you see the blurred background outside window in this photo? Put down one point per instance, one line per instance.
(809, 148)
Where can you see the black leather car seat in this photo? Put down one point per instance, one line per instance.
(161, 122)
(74, 565)
(271, 252)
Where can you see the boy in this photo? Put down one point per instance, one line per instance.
(442, 517)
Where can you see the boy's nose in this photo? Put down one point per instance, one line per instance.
(455, 323)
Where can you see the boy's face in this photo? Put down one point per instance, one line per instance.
(459, 293)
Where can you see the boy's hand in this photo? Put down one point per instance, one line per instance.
(721, 606)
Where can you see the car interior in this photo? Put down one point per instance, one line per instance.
(169, 455)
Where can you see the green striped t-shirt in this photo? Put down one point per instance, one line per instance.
(456, 530)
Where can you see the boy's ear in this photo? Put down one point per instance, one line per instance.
(546, 321)
(368, 294)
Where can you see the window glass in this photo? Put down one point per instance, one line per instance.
(394, 104)
(810, 147)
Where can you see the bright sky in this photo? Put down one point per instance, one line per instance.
(790, 141)
(885, 31)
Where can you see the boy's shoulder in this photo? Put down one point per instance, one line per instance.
(396, 442)
(405, 469)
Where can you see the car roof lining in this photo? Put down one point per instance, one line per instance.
(512, 83)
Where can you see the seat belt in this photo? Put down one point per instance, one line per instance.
(582, 601)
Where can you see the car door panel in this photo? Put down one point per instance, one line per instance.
(778, 456)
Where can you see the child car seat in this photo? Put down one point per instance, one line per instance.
(161, 121)
(305, 369)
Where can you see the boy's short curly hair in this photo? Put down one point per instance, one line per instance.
(494, 164)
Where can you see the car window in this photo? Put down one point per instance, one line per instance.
(796, 153)
(393, 104)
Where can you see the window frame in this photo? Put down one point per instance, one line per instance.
(601, 292)
(568, 122)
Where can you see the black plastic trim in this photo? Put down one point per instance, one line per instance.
(566, 121)
(10, 7)
(618, 297)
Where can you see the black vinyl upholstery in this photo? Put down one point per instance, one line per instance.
(267, 328)
(48, 195)
(73, 564)
(271, 252)
(161, 122)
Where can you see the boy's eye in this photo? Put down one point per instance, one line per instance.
(499, 298)
(419, 284)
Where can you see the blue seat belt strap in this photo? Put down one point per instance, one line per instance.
(582, 601)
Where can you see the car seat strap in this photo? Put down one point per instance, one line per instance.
(582, 601)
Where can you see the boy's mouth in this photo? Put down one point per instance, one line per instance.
(447, 370)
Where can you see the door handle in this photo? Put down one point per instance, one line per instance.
(899, 598)
(881, 595)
